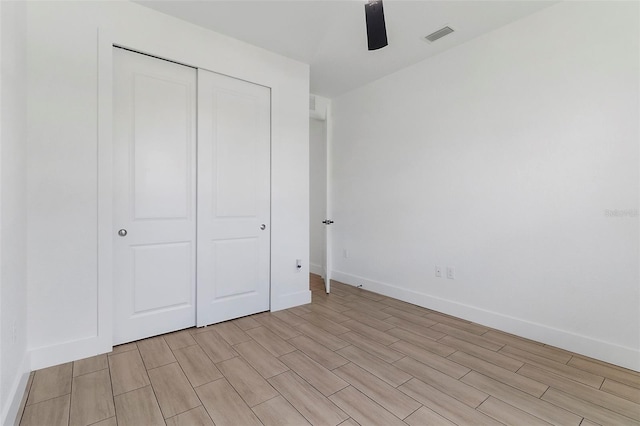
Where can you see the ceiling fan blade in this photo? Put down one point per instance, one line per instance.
(376, 28)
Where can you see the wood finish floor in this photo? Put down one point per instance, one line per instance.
(351, 357)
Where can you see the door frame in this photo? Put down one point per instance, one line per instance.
(127, 39)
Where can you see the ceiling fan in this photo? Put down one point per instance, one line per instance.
(376, 28)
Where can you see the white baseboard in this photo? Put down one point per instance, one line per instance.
(16, 392)
(316, 269)
(290, 300)
(605, 351)
(69, 351)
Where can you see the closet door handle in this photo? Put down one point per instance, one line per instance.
(122, 232)
(263, 227)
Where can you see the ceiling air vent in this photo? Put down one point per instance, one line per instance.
(439, 34)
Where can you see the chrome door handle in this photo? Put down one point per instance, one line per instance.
(122, 232)
(263, 227)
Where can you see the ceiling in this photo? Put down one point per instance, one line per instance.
(331, 36)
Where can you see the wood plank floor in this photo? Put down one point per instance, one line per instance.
(348, 358)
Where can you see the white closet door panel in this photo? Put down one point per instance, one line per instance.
(234, 151)
(154, 196)
(162, 143)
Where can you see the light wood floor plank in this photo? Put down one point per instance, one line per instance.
(172, 389)
(329, 313)
(621, 390)
(314, 406)
(317, 352)
(373, 309)
(261, 359)
(289, 317)
(195, 417)
(374, 365)
(425, 416)
(123, 348)
(108, 422)
(496, 358)
(468, 337)
(368, 320)
(91, 398)
(324, 323)
(541, 409)
(155, 352)
(584, 392)
(447, 384)
(423, 342)
(197, 365)
(321, 336)
(370, 332)
(414, 319)
(315, 374)
(279, 327)
(458, 323)
(50, 383)
(138, 407)
(379, 391)
(427, 332)
(567, 371)
(231, 333)
(278, 412)
(362, 409)
(246, 323)
(127, 372)
(225, 406)
(628, 377)
(374, 348)
(179, 339)
(500, 374)
(250, 385)
(89, 365)
(216, 348)
(52, 412)
(508, 414)
(528, 345)
(407, 307)
(445, 405)
(270, 341)
(449, 368)
(588, 410)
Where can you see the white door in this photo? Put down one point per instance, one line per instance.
(317, 196)
(234, 156)
(154, 196)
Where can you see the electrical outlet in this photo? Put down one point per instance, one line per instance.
(451, 273)
(438, 271)
(345, 253)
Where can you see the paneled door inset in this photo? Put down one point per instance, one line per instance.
(154, 196)
(234, 156)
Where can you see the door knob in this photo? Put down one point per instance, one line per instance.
(263, 227)
(122, 232)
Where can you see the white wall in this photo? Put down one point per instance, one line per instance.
(62, 159)
(317, 193)
(14, 364)
(500, 158)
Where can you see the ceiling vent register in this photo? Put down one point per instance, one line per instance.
(439, 34)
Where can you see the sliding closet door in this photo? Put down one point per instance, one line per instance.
(234, 150)
(154, 196)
